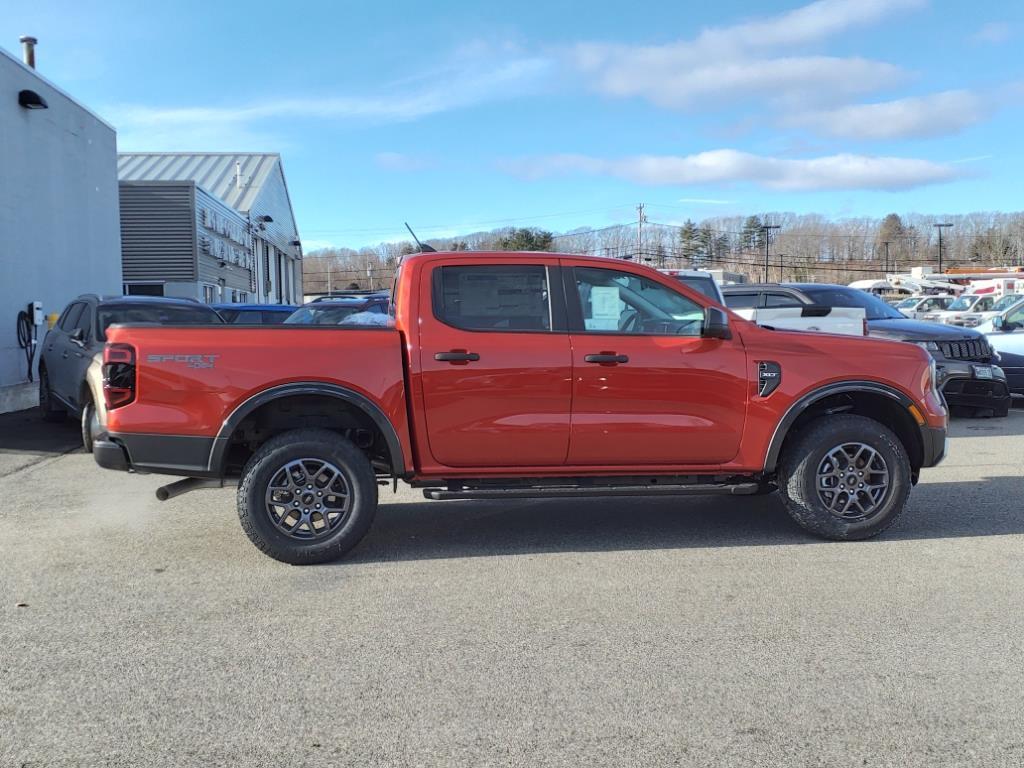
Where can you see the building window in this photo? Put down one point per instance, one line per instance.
(144, 289)
(210, 294)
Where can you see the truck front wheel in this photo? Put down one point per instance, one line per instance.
(307, 496)
(845, 477)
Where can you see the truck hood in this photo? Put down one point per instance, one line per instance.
(918, 330)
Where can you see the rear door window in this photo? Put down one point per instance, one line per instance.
(493, 297)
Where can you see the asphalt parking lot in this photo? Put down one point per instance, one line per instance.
(638, 632)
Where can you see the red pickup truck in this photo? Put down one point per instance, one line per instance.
(511, 375)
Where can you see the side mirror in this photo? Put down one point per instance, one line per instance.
(716, 324)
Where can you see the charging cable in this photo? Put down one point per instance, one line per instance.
(27, 340)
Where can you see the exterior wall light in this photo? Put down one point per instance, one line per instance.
(32, 100)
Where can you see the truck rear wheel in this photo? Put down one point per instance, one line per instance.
(307, 496)
(845, 477)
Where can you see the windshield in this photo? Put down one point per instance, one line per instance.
(325, 314)
(1006, 302)
(964, 302)
(874, 308)
(163, 314)
(907, 303)
(702, 284)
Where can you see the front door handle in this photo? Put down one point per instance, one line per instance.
(457, 356)
(606, 358)
(64, 356)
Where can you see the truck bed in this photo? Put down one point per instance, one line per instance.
(191, 379)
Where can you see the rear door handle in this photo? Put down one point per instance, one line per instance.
(606, 358)
(456, 357)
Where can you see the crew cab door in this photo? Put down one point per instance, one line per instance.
(647, 388)
(495, 363)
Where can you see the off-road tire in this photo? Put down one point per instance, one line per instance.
(88, 412)
(802, 458)
(48, 407)
(275, 454)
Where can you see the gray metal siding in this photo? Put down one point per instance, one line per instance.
(158, 238)
(237, 276)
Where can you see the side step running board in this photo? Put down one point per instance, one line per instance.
(728, 489)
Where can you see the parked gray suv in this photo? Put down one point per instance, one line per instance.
(70, 367)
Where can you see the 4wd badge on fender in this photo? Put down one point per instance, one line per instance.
(192, 361)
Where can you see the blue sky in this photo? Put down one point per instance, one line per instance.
(458, 116)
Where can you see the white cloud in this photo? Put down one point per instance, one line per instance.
(750, 58)
(994, 32)
(937, 114)
(397, 161)
(471, 77)
(843, 171)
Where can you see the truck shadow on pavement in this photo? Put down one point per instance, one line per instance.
(27, 432)
(457, 529)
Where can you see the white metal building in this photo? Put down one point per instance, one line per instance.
(217, 227)
(59, 233)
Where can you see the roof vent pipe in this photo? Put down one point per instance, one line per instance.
(28, 50)
(238, 175)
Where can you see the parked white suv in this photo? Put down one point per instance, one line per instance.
(968, 303)
(916, 307)
(974, 319)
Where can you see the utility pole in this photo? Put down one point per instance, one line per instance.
(328, 277)
(767, 237)
(886, 244)
(940, 228)
(640, 219)
(780, 256)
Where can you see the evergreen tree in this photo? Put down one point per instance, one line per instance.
(706, 247)
(526, 240)
(752, 235)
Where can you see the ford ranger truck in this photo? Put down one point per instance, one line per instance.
(521, 375)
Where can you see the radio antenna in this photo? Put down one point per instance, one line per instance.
(423, 248)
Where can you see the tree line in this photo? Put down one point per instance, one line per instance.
(804, 247)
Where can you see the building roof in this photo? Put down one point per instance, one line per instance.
(234, 178)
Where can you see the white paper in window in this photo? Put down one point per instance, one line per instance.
(605, 308)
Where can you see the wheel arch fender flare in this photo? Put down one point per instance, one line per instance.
(219, 451)
(800, 406)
